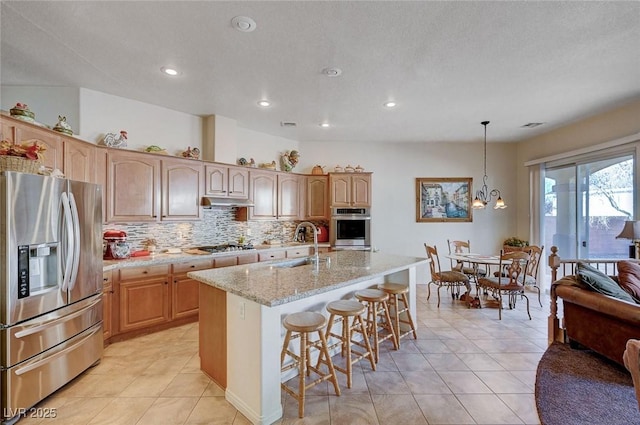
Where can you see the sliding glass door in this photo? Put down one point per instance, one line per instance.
(586, 205)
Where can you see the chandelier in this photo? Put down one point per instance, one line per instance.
(484, 195)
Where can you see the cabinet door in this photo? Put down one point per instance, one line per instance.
(6, 129)
(216, 180)
(107, 305)
(361, 190)
(290, 196)
(181, 190)
(144, 303)
(317, 205)
(184, 297)
(340, 185)
(79, 160)
(133, 187)
(238, 183)
(263, 190)
(49, 138)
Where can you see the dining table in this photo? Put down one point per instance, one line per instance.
(477, 260)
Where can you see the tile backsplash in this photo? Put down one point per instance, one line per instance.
(218, 226)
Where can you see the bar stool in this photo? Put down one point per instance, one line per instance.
(376, 302)
(300, 325)
(398, 294)
(347, 310)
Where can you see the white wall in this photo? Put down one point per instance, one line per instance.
(264, 148)
(145, 124)
(47, 103)
(395, 168)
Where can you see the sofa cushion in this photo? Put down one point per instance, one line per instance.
(600, 282)
(629, 278)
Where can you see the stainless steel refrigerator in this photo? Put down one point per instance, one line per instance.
(50, 286)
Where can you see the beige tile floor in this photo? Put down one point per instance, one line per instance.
(466, 367)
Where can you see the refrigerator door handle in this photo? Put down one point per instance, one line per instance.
(68, 240)
(54, 321)
(34, 365)
(76, 241)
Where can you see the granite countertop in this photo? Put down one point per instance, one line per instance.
(164, 258)
(270, 285)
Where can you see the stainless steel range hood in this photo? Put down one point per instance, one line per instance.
(212, 201)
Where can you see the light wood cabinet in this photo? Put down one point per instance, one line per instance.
(79, 160)
(6, 129)
(133, 187)
(226, 181)
(350, 189)
(272, 255)
(50, 139)
(184, 290)
(137, 193)
(107, 304)
(290, 197)
(317, 198)
(275, 196)
(298, 252)
(182, 189)
(144, 297)
(263, 191)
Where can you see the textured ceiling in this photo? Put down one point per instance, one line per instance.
(448, 65)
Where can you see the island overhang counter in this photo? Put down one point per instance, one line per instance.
(242, 308)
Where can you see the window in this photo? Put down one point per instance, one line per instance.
(586, 204)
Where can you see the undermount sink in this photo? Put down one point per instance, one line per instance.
(288, 264)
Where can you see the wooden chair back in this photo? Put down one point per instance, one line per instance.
(535, 253)
(434, 260)
(514, 265)
(458, 247)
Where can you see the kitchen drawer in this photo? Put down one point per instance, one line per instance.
(298, 252)
(190, 266)
(248, 258)
(107, 279)
(272, 255)
(231, 260)
(137, 273)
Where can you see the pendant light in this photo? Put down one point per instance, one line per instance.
(484, 195)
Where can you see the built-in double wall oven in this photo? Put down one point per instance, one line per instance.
(350, 228)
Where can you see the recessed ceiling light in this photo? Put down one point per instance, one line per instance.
(169, 71)
(264, 103)
(390, 104)
(332, 72)
(243, 23)
(325, 125)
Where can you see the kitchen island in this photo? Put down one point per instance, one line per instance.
(242, 308)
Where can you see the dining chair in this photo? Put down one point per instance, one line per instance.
(450, 279)
(531, 275)
(510, 281)
(471, 270)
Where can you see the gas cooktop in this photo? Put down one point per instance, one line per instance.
(227, 247)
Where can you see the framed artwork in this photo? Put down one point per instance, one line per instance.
(443, 199)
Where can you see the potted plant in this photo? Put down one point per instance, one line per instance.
(514, 244)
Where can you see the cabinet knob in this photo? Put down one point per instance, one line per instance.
(144, 272)
(105, 279)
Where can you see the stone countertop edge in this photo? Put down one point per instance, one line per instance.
(273, 286)
(164, 258)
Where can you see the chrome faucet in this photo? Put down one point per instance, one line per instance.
(316, 254)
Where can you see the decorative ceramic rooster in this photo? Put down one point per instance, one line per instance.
(116, 141)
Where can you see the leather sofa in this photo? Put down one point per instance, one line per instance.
(599, 322)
